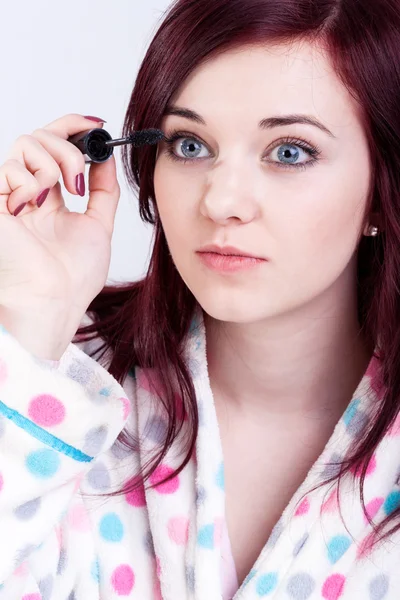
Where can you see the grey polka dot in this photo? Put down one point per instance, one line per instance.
(156, 430)
(357, 423)
(190, 578)
(94, 440)
(24, 553)
(62, 561)
(120, 450)
(300, 586)
(194, 366)
(46, 587)
(332, 469)
(28, 510)
(200, 495)
(148, 543)
(79, 372)
(275, 535)
(99, 477)
(300, 544)
(72, 596)
(378, 587)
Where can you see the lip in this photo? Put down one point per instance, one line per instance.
(228, 251)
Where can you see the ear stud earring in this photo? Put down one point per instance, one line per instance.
(372, 231)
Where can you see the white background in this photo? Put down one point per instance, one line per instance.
(80, 56)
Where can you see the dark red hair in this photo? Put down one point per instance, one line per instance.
(144, 322)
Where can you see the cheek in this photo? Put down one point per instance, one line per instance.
(321, 238)
(176, 198)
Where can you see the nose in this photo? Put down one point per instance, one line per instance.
(232, 192)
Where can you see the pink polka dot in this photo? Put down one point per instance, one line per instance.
(159, 474)
(45, 410)
(136, 497)
(370, 469)
(366, 545)
(331, 503)
(1, 482)
(123, 580)
(127, 407)
(303, 508)
(373, 507)
(149, 381)
(3, 371)
(158, 566)
(22, 569)
(178, 530)
(32, 597)
(78, 518)
(157, 590)
(333, 587)
(59, 535)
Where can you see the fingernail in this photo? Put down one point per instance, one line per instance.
(95, 119)
(19, 208)
(42, 197)
(80, 184)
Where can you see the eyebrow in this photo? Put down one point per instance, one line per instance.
(269, 123)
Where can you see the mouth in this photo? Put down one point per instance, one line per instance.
(228, 259)
(228, 251)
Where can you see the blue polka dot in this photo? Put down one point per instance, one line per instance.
(94, 571)
(205, 537)
(351, 411)
(266, 583)
(337, 546)
(43, 463)
(194, 323)
(105, 391)
(111, 528)
(249, 577)
(220, 477)
(392, 502)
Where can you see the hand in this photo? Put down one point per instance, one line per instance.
(53, 262)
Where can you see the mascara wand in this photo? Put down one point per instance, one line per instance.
(97, 145)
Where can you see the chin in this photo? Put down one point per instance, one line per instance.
(228, 310)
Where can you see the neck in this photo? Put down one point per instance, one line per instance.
(308, 361)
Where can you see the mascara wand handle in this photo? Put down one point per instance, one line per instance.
(118, 142)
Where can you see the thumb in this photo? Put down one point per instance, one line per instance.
(104, 193)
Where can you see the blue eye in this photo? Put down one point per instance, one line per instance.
(189, 147)
(289, 151)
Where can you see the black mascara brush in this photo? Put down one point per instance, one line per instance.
(98, 146)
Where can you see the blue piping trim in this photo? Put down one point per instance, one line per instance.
(42, 435)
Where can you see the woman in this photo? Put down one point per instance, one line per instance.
(226, 427)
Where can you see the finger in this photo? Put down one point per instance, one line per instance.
(104, 193)
(70, 124)
(17, 186)
(68, 157)
(31, 154)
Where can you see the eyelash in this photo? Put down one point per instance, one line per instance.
(313, 151)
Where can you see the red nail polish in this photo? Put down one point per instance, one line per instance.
(95, 119)
(19, 209)
(42, 197)
(80, 184)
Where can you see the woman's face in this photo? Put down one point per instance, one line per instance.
(294, 194)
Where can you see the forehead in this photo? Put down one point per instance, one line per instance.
(250, 83)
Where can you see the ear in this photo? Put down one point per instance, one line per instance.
(375, 220)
